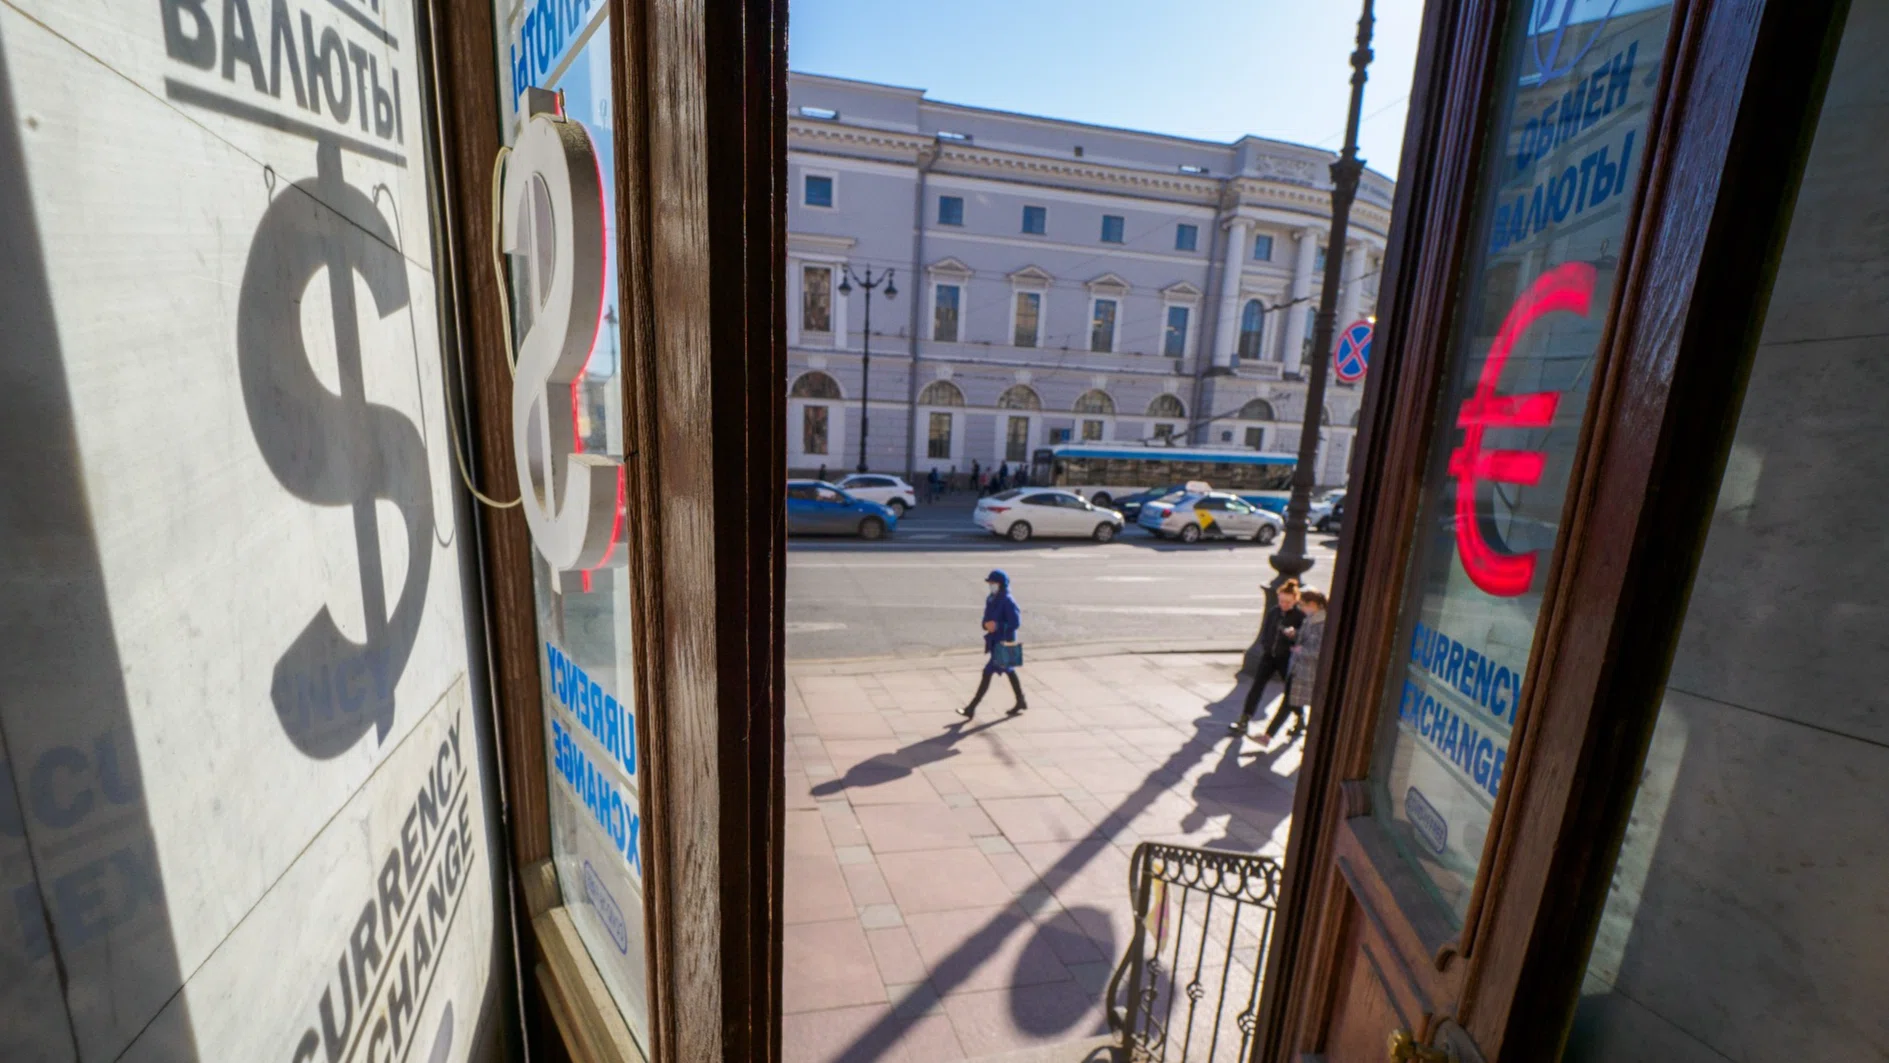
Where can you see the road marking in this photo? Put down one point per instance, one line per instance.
(792, 564)
(1129, 579)
(802, 627)
(1157, 610)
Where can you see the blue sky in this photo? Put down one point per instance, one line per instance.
(1214, 69)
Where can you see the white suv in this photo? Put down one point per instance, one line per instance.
(889, 491)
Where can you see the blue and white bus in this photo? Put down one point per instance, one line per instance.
(1104, 472)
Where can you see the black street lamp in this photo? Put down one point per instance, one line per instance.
(865, 359)
(1291, 560)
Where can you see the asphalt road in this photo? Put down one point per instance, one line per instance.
(920, 592)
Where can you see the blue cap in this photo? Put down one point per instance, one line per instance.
(997, 575)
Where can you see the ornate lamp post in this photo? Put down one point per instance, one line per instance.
(865, 360)
(1291, 560)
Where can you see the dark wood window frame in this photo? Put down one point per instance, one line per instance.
(703, 149)
(1714, 208)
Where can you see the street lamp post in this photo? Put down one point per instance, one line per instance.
(865, 359)
(1291, 560)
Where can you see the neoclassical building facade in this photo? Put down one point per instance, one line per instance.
(1052, 281)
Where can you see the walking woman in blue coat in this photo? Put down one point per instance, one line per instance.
(1001, 620)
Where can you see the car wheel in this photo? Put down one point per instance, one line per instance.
(1265, 535)
(1020, 531)
(1190, 534)
(1104, 532)
(871, 528)
(1101, 498)
(898, 507)
(1323, 525)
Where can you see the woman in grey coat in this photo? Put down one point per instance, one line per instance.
(1304, 670)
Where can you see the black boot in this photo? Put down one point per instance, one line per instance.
(970, 710)
(1016, 687)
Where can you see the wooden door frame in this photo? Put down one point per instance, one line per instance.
(1710, 222)
(701, 222)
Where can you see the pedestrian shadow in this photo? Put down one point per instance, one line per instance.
(891, 767)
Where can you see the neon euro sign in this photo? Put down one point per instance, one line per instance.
(552, 219)
(1568, 287)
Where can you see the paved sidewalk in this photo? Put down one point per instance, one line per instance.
(956, 890)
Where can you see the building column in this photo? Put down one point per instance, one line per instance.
(1226, 335)
(1357, 258)
(1300, 312)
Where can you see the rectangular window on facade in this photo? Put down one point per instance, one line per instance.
(819, 191)
(1186, 237)
(1164, 431)
(938, 441)
(1102, 326)
(816, 299)
(1174, 339)
(1036, 220)
(1017, 439)
(1091, 431)
(813, 421)
(1262, 248)
(1112, 228)
(1059, 435)
(1256, 438)
(944, 312)
(951, 210)
(1029, 317)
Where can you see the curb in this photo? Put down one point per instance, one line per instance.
(1057, 652)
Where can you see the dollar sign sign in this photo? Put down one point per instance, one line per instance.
(334, 450)
(553, 218)
(1570, 287)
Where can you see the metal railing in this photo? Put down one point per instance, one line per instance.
(1203, 922)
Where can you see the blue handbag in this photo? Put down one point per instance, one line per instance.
(1007, 655)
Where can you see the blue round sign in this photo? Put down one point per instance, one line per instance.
(1353, 355)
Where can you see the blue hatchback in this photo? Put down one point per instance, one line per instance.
(815, 507)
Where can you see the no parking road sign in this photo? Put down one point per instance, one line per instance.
(1353, 355)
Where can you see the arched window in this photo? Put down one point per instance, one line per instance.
(941, 393)
(1257, 410)
(1021, 397)
(1095, 402)
(815, 386)
(1166, 406)
(1252, 324)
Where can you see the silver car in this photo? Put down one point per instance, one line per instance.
(1210, 515)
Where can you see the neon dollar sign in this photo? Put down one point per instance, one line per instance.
(553, 218)
(332, 449)
(1569, 287)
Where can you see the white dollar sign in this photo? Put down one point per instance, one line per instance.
(553, 218)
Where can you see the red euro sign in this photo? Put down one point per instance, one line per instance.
(1569, 286)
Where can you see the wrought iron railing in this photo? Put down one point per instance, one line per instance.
(1203, 921)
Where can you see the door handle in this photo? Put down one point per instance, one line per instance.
(1405, 1049)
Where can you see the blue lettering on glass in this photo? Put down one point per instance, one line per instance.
(1549, 66)
(608, 720)
(598, 793)
(545, 37)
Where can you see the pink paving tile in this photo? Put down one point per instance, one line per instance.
(903, 828)
(1037, 819)
(805, 833)
(1085, 870)
(842, 827)
(940, 880)
(814, 890)
(983, 948)
(835, 1037)
(878, 787)
(973, 821)
(846, 752)
(1024, 1016)
(898, 959)
(1014, 871)
(866, 884)
(1002, 780)
(798, 791)
(827, 965)
(851, 725)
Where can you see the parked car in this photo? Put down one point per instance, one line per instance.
(889, 491)
(1319, 516)
(1129, 506)
(814, 507)
(1025, 511)
(1210, 515)
(1335, 520)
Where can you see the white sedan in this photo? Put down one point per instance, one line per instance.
(1213, 514)
(1025, 511)
(889, 491)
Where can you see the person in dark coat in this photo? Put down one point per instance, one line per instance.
(1277, 633)
(1304, 671)
(1001, 620)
